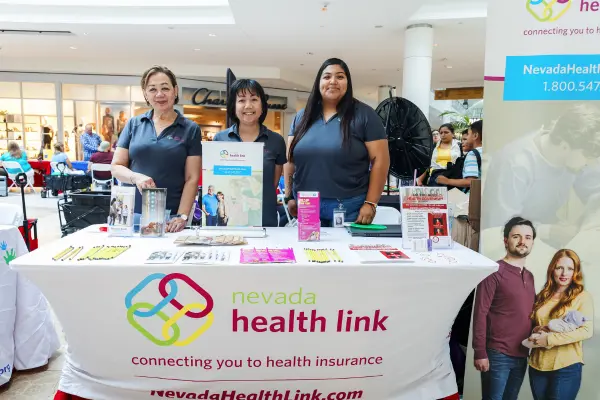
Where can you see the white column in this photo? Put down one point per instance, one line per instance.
(416, 73)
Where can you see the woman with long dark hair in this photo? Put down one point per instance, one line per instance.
(247, 107)
(338, 147)
(556, 366)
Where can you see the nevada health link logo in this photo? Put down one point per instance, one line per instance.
(548, 10)
(154, 318)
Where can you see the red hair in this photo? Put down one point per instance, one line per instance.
(574, 289)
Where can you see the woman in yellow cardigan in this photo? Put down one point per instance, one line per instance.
(555, 367)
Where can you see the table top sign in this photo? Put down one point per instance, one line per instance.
(425, 216)
(309, 216)
(232, 174)
(120, 215)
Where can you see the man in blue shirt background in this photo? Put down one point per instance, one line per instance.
(210, 206)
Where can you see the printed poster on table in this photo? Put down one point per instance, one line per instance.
(232, 175)
(425, 215)
(541, 162)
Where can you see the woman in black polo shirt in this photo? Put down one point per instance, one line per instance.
(247, 108)
(337, 147)
(161, 149)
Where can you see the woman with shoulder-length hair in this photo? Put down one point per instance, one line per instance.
(338, 147)
(247, 107)
(556, 365)
(161, 148)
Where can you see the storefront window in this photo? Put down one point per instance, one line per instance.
(78, 92)
(113, 117)
(11, 122)
(113, 93)
(137, 94)
(33, 90)
(10, 89)
(210, 119)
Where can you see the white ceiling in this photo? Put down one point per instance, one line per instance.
(267, 39)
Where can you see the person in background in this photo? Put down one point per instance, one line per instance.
(247, 107)
(337, 146)
(104, 155)
(501, 316)
(15, 153)
(472, 165)
(447, 150)
(161, 149)
(556, 366)
(60, 157)
(210, 205)
(436, 137)
(90, 142)
(464, 145)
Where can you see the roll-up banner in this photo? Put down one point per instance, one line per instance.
(533, 325)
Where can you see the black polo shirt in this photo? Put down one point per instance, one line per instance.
(324, 165)
(162, 157)
(274, 153)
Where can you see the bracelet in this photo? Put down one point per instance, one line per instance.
(373, 205)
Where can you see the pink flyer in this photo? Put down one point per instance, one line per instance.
(309, 216)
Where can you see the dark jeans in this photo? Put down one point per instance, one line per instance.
(352, 206)
(505, 377)
(221, 221)
(562, 384)
(211, 220)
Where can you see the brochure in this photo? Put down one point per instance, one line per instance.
(309, 216)
(120, 214)
(425, 216)
(267, 256)
(379, 253)
(232, 184)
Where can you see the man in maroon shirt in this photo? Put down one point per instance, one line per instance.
(103, 156)
(501, 316)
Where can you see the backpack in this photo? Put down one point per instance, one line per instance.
(455, 170)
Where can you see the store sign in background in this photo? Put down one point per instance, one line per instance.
(542, 67)
(214, 97)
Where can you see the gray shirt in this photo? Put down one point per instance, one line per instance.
(162, 157)
(324, 165)
(274, 153)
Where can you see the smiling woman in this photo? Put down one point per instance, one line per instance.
(338, 147)
(161, 148)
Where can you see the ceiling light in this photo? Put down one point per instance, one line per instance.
(212, 35)
(85, 33)
(374, 69)
(449, 66)
(197, 49)
(435, 45)
(223, 109)
(73, 48)
(170, 27)
(295, 88)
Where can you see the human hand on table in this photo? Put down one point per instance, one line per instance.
(366, 214)
(144, 182)
(176, 225)
(482, 365)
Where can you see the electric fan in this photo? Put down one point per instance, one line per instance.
(409, 137)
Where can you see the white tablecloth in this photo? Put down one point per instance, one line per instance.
(27, 334)
(119, 349)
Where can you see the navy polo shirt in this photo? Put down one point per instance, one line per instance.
(274, 153)
(321, 162)
(162, 157)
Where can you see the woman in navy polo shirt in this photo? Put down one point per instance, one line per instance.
(338, 147)
(161, 148)
(247, 108)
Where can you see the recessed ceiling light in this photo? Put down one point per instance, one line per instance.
(197, 49)
(374, 69)
(212, 35)
(223, 109)
(295, 88)
(85, 33)
(322, 26)
(449, 66)
(73, 48)
(435, 45)
(378, 26)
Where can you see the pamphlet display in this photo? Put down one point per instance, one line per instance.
(267, 256)
(379, 253)
(120, 216)
(309, 216)
(154, 213)
(425, 216)
(232, 175)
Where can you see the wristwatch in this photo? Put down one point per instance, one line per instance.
(183, 217)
